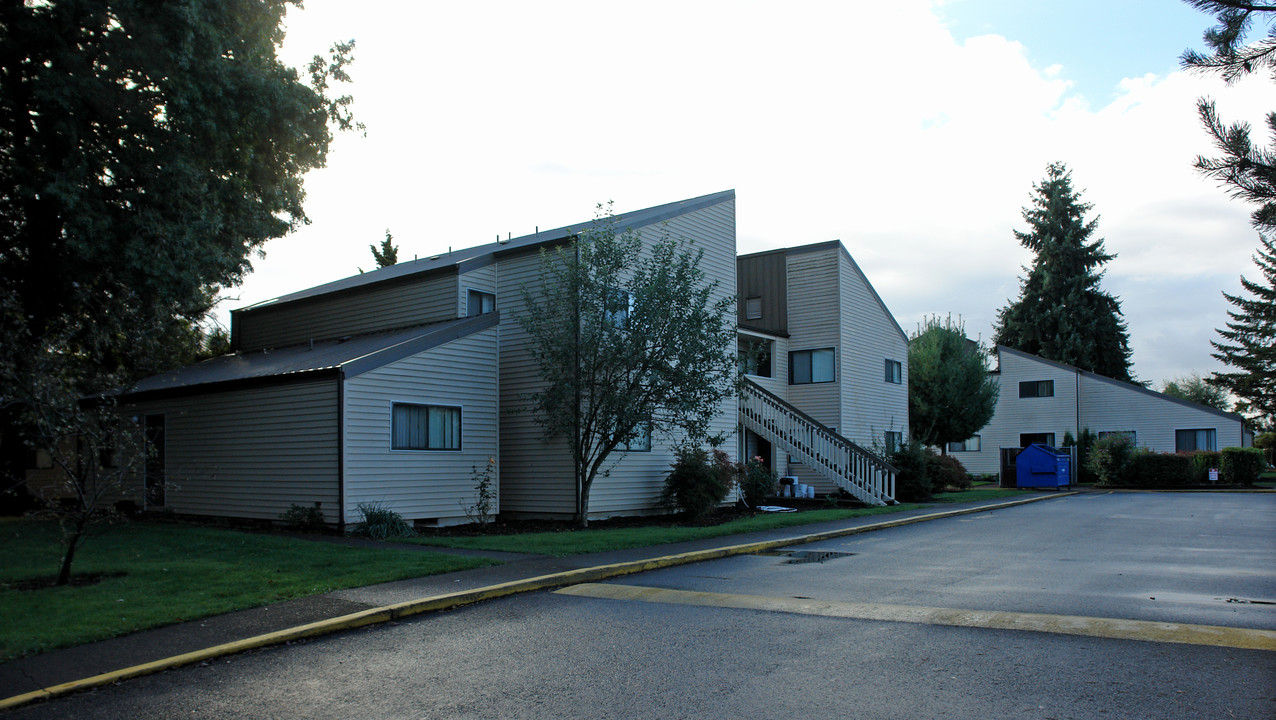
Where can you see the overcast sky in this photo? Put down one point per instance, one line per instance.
(911, 131)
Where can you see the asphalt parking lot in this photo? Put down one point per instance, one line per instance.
(1141, 605)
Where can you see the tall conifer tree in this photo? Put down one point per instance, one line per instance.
(1061, 313)
(1249, 343)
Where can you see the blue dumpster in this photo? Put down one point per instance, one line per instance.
(1043, 466)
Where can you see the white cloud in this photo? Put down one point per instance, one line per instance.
(831, 120)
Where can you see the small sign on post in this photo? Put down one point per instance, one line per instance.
(1213, 475)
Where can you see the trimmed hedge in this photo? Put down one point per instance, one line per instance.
(1202, 461)
(1149, 469)
(1241, 466)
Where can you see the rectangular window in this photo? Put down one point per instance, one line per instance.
(972, 444)
(895, 372)
(478, 302)
(1191, 440)
(1027, 439)
(425, 427)
(812, 366)
(893, 439)
(755, 357)
(1133, 436)
(1036, 388)
(753, 308)
(617, 306)
(641, 443)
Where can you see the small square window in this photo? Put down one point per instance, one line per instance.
(895, 372)
(753, 308)
(478, 302)
(641, 442)
(1036, 388)
(893, 439)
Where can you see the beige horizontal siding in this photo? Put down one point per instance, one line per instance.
(436, 485)
(370, 309)
(251, 453)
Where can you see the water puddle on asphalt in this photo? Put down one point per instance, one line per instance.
(801, 557)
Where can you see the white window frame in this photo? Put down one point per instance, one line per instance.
(1039, 384)
(974, 443)
(810, 353)
(482, 294)
(753, 308)
(1211, 436)
(636, 444)
(460, 430)
(894, 372)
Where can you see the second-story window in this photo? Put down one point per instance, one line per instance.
(1036, 388)
(753, 308)
(895, 372)
(755, 357)
(812, 366)
(478, 302)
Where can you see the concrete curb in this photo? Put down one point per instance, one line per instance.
(448, 601)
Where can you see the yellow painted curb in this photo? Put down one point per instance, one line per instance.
(1101, 627)
(466, 597)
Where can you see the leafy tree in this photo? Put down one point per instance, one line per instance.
(1194, 388)
(147, 150)
(950, 391)
(630, 344)
(1061, 313)
(1250, 171)
(1248, 345)
(388, 254)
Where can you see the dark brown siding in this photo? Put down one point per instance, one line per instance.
(764, 276)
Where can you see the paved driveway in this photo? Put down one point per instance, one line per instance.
(758, 636)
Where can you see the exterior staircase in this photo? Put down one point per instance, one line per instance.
(864, 475)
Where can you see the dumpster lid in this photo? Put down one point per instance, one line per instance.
(1043, 448)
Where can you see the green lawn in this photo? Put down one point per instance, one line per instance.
(577, 542)
(163, 573)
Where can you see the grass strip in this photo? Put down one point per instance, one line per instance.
(579, 542)
(162, 573)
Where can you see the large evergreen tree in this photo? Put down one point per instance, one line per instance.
(147, 151)
(1249, 170)
(1248, 344)
(950, 391)
(1061, 313)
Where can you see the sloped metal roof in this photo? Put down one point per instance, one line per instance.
(635, 219)
(355, 355)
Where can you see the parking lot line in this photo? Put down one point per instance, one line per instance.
(1116, 628)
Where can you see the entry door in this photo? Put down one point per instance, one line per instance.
(154, 431)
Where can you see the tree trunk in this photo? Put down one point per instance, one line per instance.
(72, 542)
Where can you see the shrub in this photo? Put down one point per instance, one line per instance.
(912, 483)
(946, 473)
(304, 519)
(1267, 441)
(696, 484)
(757, 482)
(480, 513)
(381, 523)
(1150, 469)
(1202, 461)
(1110, 459)
(1240, 466)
